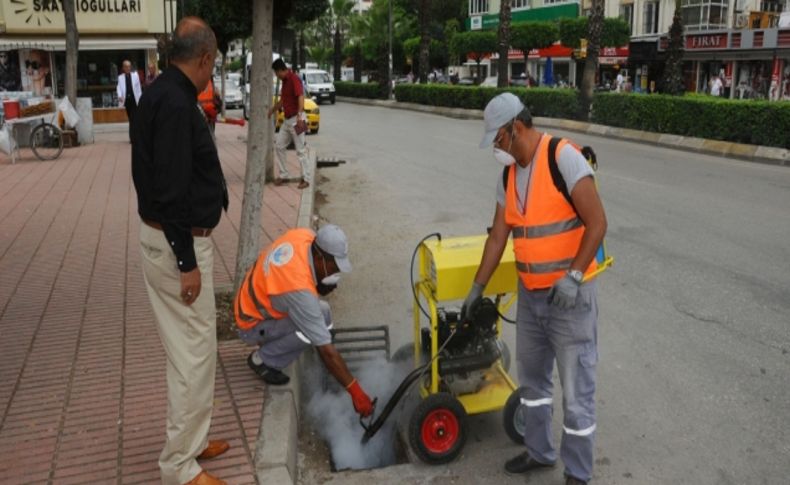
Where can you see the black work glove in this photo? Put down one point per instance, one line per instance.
(472, 301)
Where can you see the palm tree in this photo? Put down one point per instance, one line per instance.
(594, 28)
(424, 15)
(341, 11)
(503, 43)
(672, 81)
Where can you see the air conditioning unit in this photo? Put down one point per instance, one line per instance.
(741, 21)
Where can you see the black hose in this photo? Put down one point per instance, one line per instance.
(411, 270)
(396, 396)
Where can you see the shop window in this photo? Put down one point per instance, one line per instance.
(477, 7)
(772, 6)
(650, 24)
(627, 14)
(519, 4)
(704, 14)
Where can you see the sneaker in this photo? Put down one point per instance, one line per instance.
(523, 463)
(268, 374)
(569, 480)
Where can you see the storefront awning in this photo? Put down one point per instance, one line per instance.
(86, 43)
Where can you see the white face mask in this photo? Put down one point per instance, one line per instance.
(331, 280)
(504, 157)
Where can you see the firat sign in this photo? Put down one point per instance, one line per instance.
(710, 41)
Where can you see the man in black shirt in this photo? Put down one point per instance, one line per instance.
(181, 193)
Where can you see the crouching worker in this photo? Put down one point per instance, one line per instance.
(278, 306)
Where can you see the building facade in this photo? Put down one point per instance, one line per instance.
(32, 41)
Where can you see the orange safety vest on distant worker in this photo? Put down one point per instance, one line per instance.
(206, 100)
(282, 268)
(547, 233)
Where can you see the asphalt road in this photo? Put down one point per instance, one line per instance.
(694, 326)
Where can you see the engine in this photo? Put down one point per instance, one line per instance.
(470, 352)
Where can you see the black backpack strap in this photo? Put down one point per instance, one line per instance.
(556, 175)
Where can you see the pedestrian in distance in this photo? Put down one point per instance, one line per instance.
(716, 86)
(556, 233)
(181, 194)
(279, 308)
(129, 92)
(151, 74)
(294, 124)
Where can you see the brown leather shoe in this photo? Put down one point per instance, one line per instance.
(214, 449)
(206, 478)
(303, 184)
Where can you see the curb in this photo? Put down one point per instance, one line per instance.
(276, 444)
(739, 151)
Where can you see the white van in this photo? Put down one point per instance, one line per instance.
(318, 85)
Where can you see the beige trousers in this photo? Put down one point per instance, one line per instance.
(189, 336)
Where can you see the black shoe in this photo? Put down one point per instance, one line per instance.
(523, 463)
(269, 375)
(569, 480)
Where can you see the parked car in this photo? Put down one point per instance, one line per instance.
(318, 84)
(234, 97)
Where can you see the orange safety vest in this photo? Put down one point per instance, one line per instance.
(548, 233)
(281, 268)
(206, 100)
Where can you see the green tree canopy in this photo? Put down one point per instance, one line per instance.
(615, 33)
(474, 44)
(229, 19)
(533, 35)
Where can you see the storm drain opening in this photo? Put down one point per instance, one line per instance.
(332, 434)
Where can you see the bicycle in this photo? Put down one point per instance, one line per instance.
(46, 140)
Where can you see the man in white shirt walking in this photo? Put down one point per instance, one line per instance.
(129, 91)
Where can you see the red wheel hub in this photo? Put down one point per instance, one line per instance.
(439, 431)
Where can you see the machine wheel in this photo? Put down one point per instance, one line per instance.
(437, 429)
(505, 351)
(515, 417)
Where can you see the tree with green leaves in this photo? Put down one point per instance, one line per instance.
(672, 81)
(341, 12)
(72, 51)
(615, 32)
(503, 41)
(533, 35)
(476, 45)
(425, 38)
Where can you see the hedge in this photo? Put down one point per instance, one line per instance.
(753, 122)
(359, 90)
(554, 103)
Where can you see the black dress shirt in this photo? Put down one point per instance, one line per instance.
(175, 166)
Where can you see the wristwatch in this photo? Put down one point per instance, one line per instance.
(577, 275)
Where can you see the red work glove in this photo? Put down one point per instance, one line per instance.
(362, 402)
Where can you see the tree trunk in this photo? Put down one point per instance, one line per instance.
(338, 57)
(72, 51)
(672, 80)
(477, 72)
(259, 139)
(526, 69)
(384, 72)
(503, 44)
(594, 28)
(358, 63)
(425, 40)
(302, 53)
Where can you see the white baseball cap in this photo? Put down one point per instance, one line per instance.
(332, 240)
(499, 111)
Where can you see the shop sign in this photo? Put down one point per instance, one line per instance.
(476, 23)
(93, 16)
(707, 41)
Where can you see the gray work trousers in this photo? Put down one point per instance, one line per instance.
(281, 342)
(544, 333)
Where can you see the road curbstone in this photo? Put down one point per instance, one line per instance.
(276, 444)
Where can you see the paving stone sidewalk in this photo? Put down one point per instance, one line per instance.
(82, 384)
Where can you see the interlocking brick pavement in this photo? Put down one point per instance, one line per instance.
(82, 385)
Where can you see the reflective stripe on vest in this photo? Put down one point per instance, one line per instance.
(547, 233)
(283, 267)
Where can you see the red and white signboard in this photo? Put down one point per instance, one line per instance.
(706, 41)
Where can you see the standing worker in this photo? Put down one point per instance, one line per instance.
(555, 240)
(181, 193)
(210, 103)
(129, 92)
(294, 125)
(278, 306)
